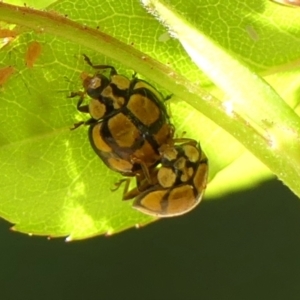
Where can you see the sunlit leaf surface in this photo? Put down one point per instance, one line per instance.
(52, 183)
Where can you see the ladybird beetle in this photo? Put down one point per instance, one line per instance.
(129, 121)
(179, 182)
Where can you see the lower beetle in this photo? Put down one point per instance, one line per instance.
(178, 182)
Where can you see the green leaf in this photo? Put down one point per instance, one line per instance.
(53, 184)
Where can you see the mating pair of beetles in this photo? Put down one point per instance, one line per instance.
(130, 130)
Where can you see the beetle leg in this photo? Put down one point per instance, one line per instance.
(127, 195)
(119, 183)
(76, 125)
(131, 194)
(168, 97)
(134, 75)
(144, 167)
(86, 123)
(79, 106)
(75, 94)
(83, 108)
(185, 141)
(142, 184)
(100, 67)
(146, 172)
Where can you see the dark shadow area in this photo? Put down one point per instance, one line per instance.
(244, 246)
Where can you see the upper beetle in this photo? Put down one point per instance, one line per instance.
(129, 120)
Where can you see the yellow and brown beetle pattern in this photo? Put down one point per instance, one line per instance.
(129, 120)
(130, 131)
(178, 183)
